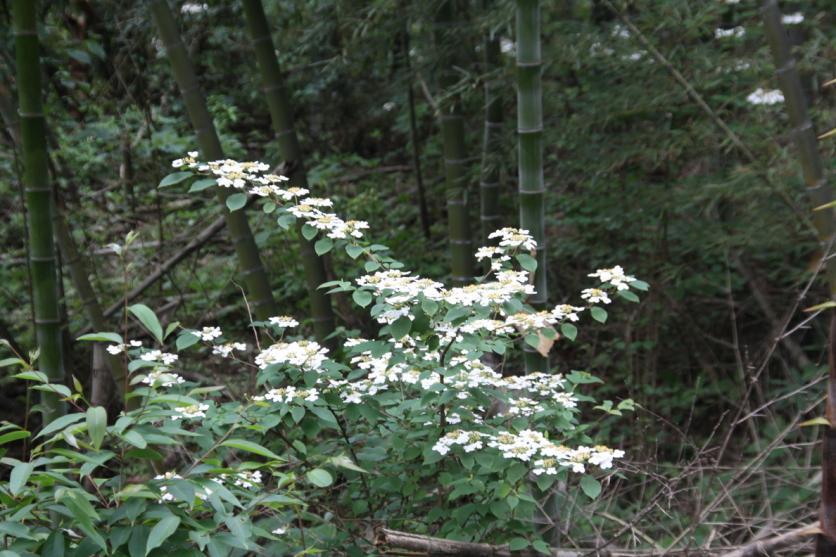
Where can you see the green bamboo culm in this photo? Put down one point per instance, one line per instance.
(819, 193)
(252, 270)
(36, 182)
(530, 152)
(453, 150)
(281, 116)
(489, 183)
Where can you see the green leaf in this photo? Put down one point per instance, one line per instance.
(102, 337)
(541, 547)
(639, 285)
(250, 447)
(353, 251)
(186, 339)
(174, 178)
(527, 262)
(400, 327)
(135, 438)
(517, 544)
(286, 221)
(344, 462)
(161, 531)
(14, 436)
(62, 390)
(319, 477)
(309, 232)
(38, 376)
(821, 420)
(60, 423)
(148, 319)
(323, 245)
(629, 296)
(429, 307)
(598, 314)
(569, 331)
(20, 473)
(84, 515)
(200, 185)
(362, 297)
(6, 362)
(236, 201)
(591, 487)
(96, 425)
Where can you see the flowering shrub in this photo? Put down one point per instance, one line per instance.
(426, 426)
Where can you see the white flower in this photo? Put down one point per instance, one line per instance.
(595, 296)
(614, 276)
(224, 350)
(193, 8)
(735, 32)
(792, 19)
(507, 46)
(248, 479)
(281, 530)
(191, 412)
(159, 356)
(761, 96)
(283, 321)
(514, 238)
(389, 106)
(208, 334)
(161, 378)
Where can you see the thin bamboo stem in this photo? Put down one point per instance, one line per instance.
(281, 116)
(42, 260)
(252, 270)
(489, 183)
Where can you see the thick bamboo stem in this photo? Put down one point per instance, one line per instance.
(38, 189)
(252, 270)
(281, 116)
(819, 193)
(454, 152)
(530, 152)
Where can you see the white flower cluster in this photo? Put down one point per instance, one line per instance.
(248, 479)
(208, 334)
(287, 394)
(159, 356)
(529, 445)
(162, 378)
(191, 412)
(792, 19)
(283, 321)
(119, 348)
(595, 296)
(225, 350)
(304, 354)
(762, 96)
(615, 277)
(735, 32)
(514, 238)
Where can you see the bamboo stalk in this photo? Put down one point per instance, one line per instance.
(530, 152)
(252, 270)
(453, 151)
(36, 182)
(819, 193)
(281, 116)
(423, 210)
(489, 183)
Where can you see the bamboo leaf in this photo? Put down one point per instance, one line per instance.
(102, 337)
(17, 479)
(250, 447)
(161, 531)
(821, 420)
(14, 436)
(148, 319)
(819, 307)
(96, 425)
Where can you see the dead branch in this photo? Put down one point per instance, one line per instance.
(770, 545)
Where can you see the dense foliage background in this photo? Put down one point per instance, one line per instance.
(719, 356)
